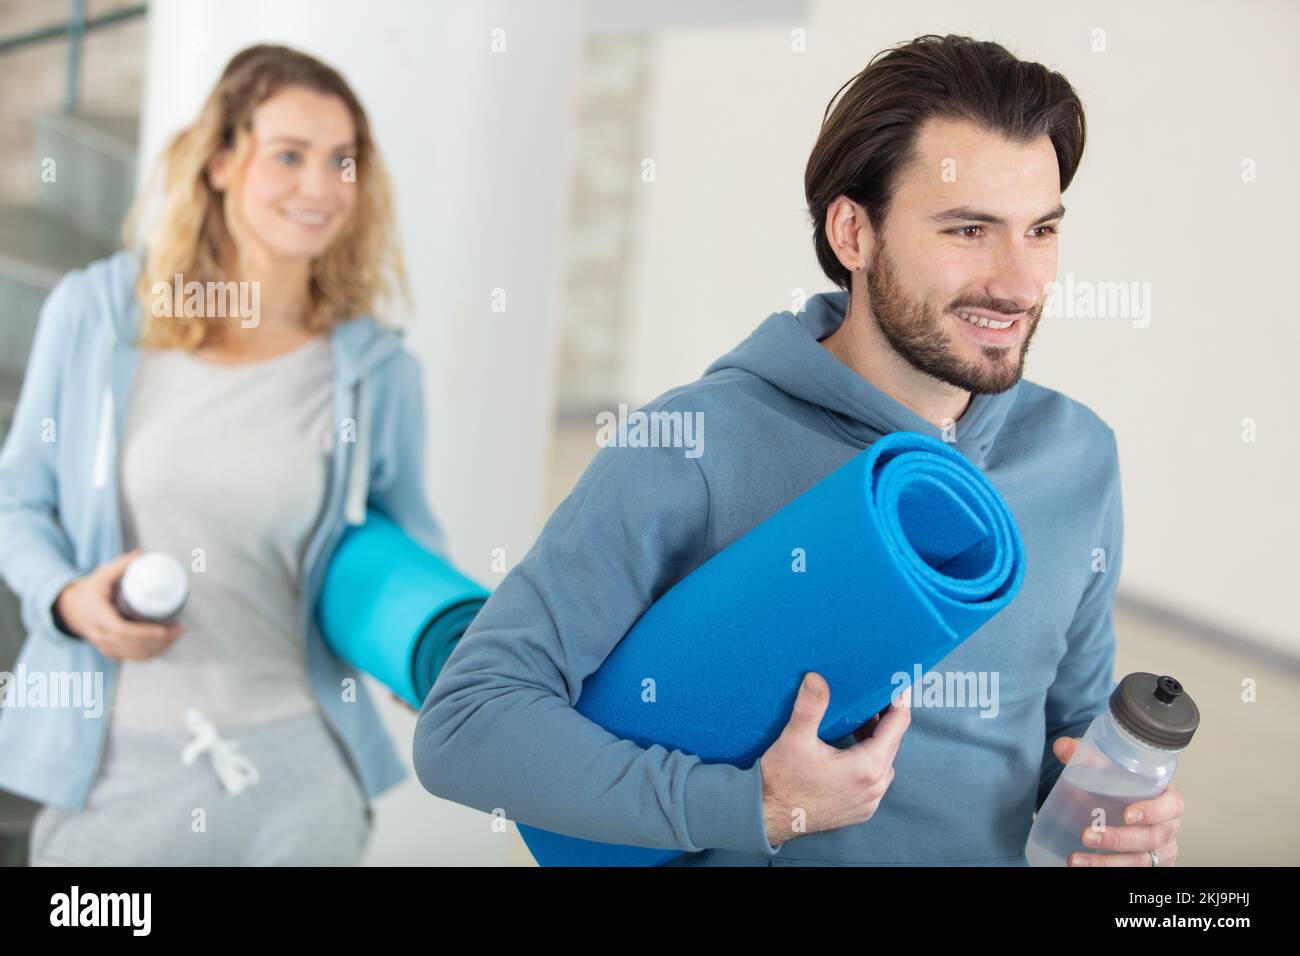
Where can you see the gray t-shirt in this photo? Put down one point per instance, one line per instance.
(224, 467)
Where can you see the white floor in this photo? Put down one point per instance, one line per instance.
(1238, 777)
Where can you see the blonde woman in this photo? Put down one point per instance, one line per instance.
(218, 392)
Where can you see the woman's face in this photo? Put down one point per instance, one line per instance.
(299, 180)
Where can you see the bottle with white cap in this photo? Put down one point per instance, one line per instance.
(153, 589)
(1129, 753)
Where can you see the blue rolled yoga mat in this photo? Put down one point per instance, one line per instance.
(392, 609)
(907, 548)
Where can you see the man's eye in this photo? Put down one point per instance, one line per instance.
(1051, 230)
(961, 229)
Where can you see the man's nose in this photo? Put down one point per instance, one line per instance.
(1015, 280)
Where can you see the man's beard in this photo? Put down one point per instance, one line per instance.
(918, 335)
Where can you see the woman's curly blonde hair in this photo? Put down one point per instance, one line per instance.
(189, 236)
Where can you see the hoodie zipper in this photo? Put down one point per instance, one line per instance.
(356, 475)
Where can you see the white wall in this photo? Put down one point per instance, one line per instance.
(1182, 94)
(476, 143)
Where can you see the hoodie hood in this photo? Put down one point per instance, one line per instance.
(786, 352)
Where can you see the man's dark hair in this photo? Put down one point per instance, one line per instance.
(869, 136)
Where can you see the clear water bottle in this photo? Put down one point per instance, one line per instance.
(153, 588)
(1128, 753)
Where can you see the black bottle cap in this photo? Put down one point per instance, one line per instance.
(1156, 710)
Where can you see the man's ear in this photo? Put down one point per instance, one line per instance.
(850, 234)
(218, 170)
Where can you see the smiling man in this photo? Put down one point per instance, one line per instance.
(955, 300)
(935, 192)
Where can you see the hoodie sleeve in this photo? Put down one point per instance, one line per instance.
(397, 486)
(499, 729)
(1085, 676)
(36, 555)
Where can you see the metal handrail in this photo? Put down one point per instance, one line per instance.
(73, 31)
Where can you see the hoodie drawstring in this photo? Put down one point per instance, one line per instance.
(235, 771)
(99, 475)
(358, 486)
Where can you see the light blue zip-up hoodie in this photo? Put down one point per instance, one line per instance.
(499, 728)
(59, 515)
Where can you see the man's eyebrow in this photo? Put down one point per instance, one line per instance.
(968, 214)
(295, 141)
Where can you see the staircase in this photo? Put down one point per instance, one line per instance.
(76, 219)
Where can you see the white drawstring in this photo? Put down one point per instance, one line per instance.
(235, 771)
(358, 487)
(99, 476)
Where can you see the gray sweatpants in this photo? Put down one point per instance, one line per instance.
(148, 809)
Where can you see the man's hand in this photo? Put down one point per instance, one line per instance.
(1154, 829)
(810, 786)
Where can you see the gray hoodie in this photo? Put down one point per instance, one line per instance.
(499, 730)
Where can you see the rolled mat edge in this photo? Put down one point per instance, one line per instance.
(392, 609)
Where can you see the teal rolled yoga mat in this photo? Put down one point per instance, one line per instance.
(392, 609)
(906, 550)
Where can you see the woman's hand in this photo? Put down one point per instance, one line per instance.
(85, 607)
